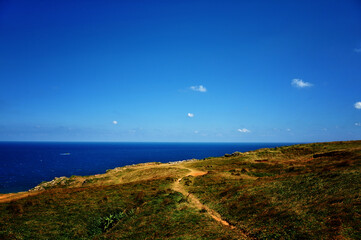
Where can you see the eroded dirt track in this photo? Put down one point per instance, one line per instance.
(179, 187)
(16, 196)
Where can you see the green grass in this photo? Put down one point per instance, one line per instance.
(141, 210)
(301, 192)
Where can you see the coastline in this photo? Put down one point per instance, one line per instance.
(28, 164)
(232, 194)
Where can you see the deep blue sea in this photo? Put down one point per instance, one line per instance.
(23, 165)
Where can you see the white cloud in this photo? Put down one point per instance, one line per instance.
(300, 83)
(358, 124)
(358, 105)
(288, 129)
(115, 122)
(199, 88)
(190, 115)
(243, 130)
(196, 131)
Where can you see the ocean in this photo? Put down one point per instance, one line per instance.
(23, 165)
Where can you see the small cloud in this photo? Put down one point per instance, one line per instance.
(199, 88)
(115, 122)
(358, 50)
(288, 129)
(243, 130)
(196, 131)
(358, 124)
(300, 83)
(190, 115)
(358, 105)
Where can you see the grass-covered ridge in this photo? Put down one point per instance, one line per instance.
(309, 191)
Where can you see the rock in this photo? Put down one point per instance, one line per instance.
(62, 181)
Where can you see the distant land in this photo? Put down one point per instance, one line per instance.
(303, 191)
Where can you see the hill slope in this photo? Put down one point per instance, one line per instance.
(310, 191)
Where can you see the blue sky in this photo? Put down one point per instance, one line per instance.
(180, 71)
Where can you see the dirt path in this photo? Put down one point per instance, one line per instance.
(179, 187)
(16, 196)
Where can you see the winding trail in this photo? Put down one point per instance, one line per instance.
(8, 197)
(179, 187)
(176, 186)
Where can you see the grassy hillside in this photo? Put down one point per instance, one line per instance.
(310, 191)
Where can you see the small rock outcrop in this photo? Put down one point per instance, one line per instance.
(58, 181)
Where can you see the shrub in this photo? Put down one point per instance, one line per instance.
(15, 208)
(107, 222)
(139, 198)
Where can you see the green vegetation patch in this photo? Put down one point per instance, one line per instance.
(140, 210)
(302, 192)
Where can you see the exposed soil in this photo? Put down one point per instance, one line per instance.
(16, 196)
(179, 187)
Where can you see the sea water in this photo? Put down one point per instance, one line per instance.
(23, 165)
